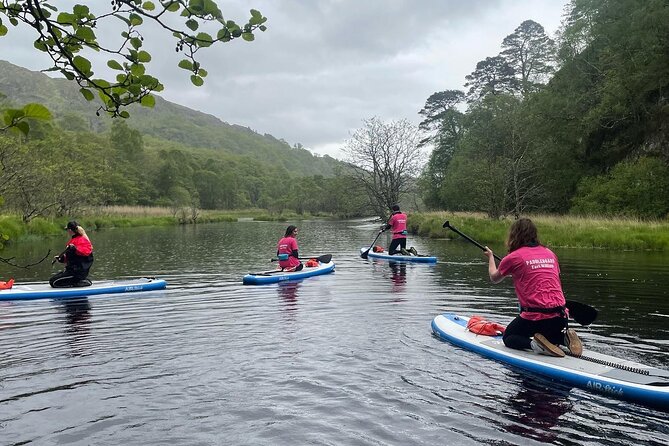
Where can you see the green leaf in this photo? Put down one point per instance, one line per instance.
(137, 69)
(223, 34)
(114, 65)
(82, 64)
(149, 6)
(36, 111)
(173, 7)
(86, 94)
(249, 37)
(192, 24)
(124, 114)
(23, 126)
(3, 30)
(197, 80)
(85, 33)
(136, 42)
(65, 18)
(262, 28)
(80, 10)
(204, 40)
(135, 19)
(186, 64)
(148, 101)
(202, 72)
(144, 57)
(40, 45)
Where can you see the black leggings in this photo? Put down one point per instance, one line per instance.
(69, 278)
(397, 244)
(518, 333)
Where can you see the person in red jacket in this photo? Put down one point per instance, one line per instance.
(542, 323)
(77, 257)
(286, 251)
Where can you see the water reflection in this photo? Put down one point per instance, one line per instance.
(398, 275)
(288, 293)
(77, 319)
(538, 409)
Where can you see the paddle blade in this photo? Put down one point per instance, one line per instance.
(365, 253)
(581, 313)
(326, 258)
(446, 225)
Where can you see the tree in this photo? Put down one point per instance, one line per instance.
(384, 157)
(445, 120)
(531, 53)
(66, 36)
(493, 76)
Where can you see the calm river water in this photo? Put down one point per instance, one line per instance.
(341, 359)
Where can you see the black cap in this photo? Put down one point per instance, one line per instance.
(395, 207)
(72, 225)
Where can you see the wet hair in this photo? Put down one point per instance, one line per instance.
(290, 229)
(395, 207)
(522, 233)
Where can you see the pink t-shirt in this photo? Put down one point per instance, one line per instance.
(536, 277)
(286, 246)
(398, 224)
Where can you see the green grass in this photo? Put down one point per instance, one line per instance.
(13, 227)
(556, 231)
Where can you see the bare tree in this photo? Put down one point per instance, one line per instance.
(385, 158)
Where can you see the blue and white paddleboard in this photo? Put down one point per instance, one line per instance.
(592, 371)
(398, 257)
(44, 290)
(276, 276)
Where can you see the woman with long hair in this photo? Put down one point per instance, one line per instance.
(287, 251)
(542, 322)
(77, 257)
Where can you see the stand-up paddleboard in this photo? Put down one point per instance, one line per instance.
(44, 290)
(275, 276)
(398, 257)
(591, 371)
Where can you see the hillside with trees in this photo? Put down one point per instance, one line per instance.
(577, 125)
(167, 155)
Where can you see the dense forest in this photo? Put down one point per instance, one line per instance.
(576, 125)
(167, 155)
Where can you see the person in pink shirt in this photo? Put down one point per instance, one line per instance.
(398, 224)
(286, 251)
(542, 323)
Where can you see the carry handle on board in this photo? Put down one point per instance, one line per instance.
(582, 313)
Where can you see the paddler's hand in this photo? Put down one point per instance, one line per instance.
(488, 253)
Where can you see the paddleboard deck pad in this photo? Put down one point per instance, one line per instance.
(276, 276)
(45, 291)
(591, 371)
(398, 257)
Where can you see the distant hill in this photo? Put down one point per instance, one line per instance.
(167, 121)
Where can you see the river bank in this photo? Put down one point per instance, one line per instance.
(13, 229)
(555, 231)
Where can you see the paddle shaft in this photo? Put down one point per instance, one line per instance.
(366, 253)
(483, 248)
(325, 258)
(582, 313)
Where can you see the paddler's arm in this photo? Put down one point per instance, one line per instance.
(493, 272)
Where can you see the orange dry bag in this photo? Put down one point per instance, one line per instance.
(6, 285)
(480, 326)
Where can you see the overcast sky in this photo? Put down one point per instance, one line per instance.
(323, 66)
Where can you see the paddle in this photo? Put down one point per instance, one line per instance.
(325, 258)
(267, 273)
(581, 313)
(365, 254)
